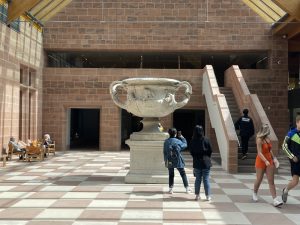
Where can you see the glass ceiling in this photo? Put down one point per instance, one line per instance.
(46, 9)
(266, 9)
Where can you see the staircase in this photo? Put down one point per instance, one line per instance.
(223, 111)
(246, 165)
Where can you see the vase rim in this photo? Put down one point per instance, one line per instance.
(150, 80)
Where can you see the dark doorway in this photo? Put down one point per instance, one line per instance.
(130, 124)
(85, 125)
(185, 120)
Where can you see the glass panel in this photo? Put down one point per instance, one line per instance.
(158, 60)
(3, 12)
(15, 25)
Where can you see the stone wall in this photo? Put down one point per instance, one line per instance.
(192, 25)
(20, 53)
(66, 88)
(271, 88)
(157, 25)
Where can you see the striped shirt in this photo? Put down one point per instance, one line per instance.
(291, 144)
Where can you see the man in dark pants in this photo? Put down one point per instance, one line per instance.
(246, 127)
(291, 147)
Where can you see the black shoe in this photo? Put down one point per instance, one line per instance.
(244, 157)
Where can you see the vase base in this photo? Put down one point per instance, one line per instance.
(149, 136)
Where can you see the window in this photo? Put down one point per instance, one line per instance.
(159, 60)
(15, 25)
(3, 12)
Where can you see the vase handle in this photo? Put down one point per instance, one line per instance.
(114, 93)
(187, 94)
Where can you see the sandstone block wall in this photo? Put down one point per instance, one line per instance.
(192, 25)
(20, 52)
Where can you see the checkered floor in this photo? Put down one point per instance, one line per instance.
(87, 188)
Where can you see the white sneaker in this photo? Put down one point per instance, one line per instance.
(208, 198)
(170, 191)
(277, 202)
(188, 190)
(197, 197)
(254, 197)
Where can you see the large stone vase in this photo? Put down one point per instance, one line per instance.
(150, 98)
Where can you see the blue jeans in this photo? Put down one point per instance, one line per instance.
(202, 174)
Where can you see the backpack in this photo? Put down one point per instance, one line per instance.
(172, 157)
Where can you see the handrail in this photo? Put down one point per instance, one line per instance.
(235, 80)
(221, 120)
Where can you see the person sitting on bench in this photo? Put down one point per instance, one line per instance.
(17, 148)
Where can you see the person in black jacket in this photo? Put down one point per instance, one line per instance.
(200, 149)
(246, 127)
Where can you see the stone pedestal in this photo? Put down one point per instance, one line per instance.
(146, 159)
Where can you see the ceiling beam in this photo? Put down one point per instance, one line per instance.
(47, 9)
(274, 7)
(280, 26)
(292, 7)
(259, 11)
(56, 10)
(17, 7)
(294, 32)
(267, 9)
(40, 7)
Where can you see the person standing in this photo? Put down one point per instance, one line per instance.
(264, 163)
(173, 158)
(201, 150)
(246, 127)
(291, 146)
(179, 134)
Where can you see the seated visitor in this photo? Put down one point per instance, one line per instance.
(16, 147)
(47, 142)
(22, 144)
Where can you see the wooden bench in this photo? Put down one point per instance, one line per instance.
(51, 148)
(11, 152)
(34, 152)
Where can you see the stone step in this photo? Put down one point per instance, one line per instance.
(251, 154)
(247, 161)
(251, 144)
(246, 169)
(233, 115)
(232, 103)
(229, 96)
(225, 89)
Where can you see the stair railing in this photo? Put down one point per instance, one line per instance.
(235, 80)
(221, 120)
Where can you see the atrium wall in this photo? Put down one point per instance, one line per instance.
(132, 25)
(21, 62)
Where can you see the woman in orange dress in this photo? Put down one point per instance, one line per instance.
(265, 164)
